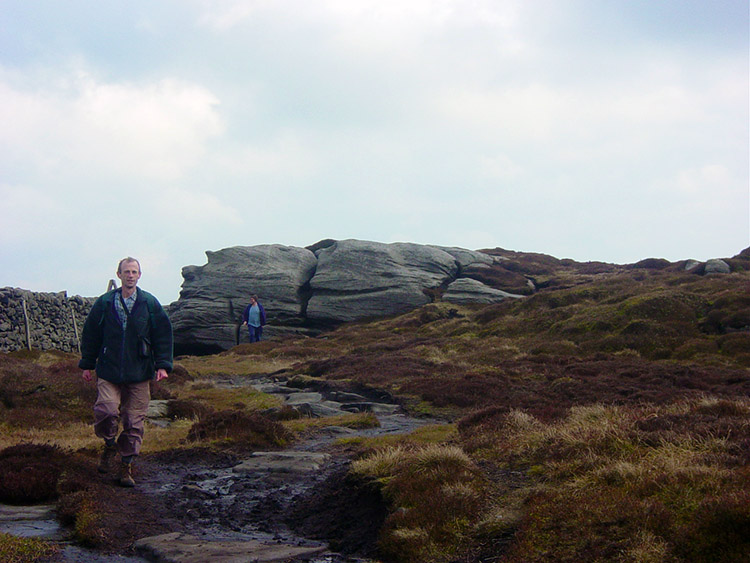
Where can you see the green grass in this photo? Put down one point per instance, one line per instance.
(25, 550)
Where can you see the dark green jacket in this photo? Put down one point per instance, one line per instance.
(131, 356)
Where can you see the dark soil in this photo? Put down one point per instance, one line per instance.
(172, 495)
(343, 511)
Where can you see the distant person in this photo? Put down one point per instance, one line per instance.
(254, 317)
(127, 338)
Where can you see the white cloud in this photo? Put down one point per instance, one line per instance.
(286, 156)
(712, 179)
(499, 167)
(28, 213)
(79, 124)
(192, 209)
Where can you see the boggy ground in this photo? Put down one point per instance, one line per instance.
(198, 492)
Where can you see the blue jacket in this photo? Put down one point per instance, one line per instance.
(246, 313)
(129, 356)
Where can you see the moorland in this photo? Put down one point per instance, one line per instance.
(605, 417)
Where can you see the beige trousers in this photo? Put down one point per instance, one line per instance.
(128, 403)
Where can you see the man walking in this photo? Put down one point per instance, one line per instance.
(254, 317)
(127, 338)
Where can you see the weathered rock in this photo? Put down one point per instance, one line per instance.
(468, 258)
(717, 266)
(181, 548)
(303, 397)
(367, 406)
(301, 289)
(466, 290)
(157, 408)
(360, 279)
(282, 462)
(318, 410)
(36, 521)
(213, 296)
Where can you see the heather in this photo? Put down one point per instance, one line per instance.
(604, 417)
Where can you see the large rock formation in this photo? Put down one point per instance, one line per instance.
(359, 279)
(322, 285)
(208, 313)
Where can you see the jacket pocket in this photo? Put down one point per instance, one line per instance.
(144, 347)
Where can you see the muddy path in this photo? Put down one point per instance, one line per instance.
(300, 501)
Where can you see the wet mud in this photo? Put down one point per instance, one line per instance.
(301, 500)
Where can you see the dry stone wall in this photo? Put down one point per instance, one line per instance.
(52, 321)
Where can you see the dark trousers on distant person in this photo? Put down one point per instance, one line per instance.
(255, 332)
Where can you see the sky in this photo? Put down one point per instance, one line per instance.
(596, 130)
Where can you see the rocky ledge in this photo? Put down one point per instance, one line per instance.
(331, 282)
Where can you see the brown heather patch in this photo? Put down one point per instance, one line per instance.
(669, 481)
(605, 415)
(42, 393)
(188, 409)
(246, 430)
(435, 494)
(29, 473)
(99, 515)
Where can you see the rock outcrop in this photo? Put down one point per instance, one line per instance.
(207, 315)
(467, 290)
(359, 279)
(319, 286)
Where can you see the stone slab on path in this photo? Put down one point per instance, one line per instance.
(37, 521)
(283, 462)
(304, 397)
(176, 547)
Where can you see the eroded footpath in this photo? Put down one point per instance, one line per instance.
(219, 507)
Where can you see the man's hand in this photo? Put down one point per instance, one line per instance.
(86, 375)
(161, 374)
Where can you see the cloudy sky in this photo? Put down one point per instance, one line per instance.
(610, 130)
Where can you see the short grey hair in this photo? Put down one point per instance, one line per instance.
(128, 259)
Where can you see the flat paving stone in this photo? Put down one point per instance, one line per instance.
(299, 398)
(182, 548)
(283, 462)
(36, 521)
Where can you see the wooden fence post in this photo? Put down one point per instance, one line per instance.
(75, 326)
(26, 323)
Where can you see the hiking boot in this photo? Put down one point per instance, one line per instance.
(125, 479)
(105, 461)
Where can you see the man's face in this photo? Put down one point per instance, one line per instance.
(129, 274)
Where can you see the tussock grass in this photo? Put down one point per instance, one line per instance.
(230, 363)
(174, 436)
(603, 418)
(645, 480)
(220, 398)
(238, 428)
(354, 420)
(74, 436)
(424, 435)
(25, 550)
(435, 494)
